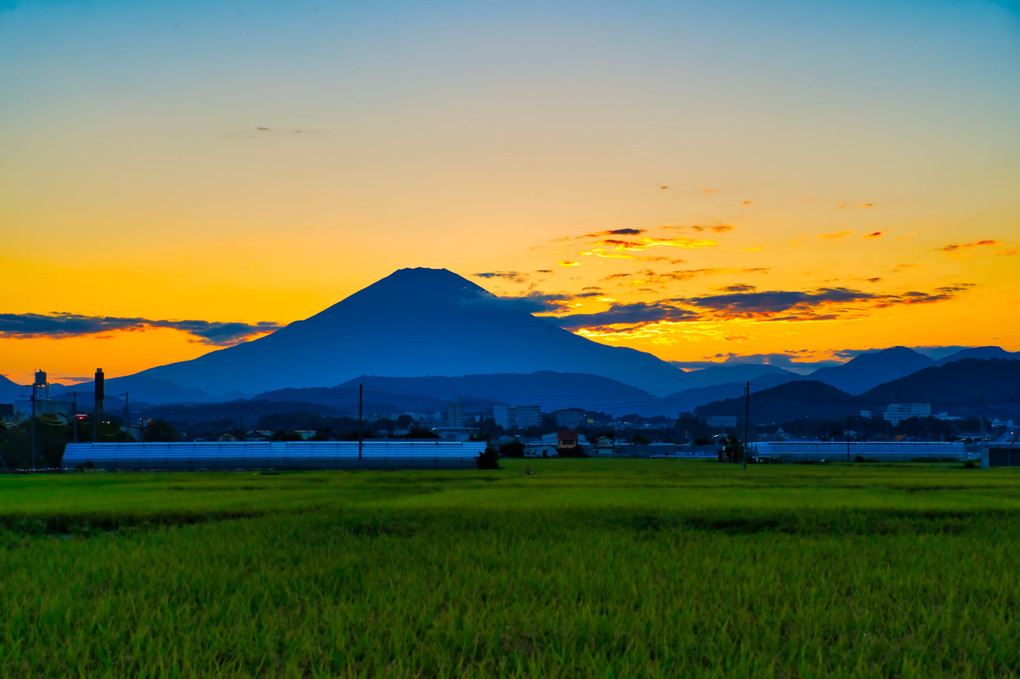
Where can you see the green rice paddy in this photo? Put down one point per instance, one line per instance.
(584, 568)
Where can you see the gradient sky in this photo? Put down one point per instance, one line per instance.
(694, 179)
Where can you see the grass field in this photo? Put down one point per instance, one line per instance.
(585, 568)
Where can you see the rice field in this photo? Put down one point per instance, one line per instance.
(604, 568)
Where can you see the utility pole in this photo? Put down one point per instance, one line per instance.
(127, 414)
(34, 399)
(361, 403)
(747, 410)
(74, 407)
(848, 438)
(984, 443)
(97, 412)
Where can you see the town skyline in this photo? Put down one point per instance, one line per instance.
(697, 182)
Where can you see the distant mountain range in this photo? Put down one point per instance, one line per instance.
(964, 387)
(550, 390)
(420, 338)
(859, 374)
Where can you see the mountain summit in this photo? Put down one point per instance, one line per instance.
(415, 323)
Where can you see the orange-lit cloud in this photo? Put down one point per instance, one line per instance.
(745, 302)
(873, 234)
(840, 234)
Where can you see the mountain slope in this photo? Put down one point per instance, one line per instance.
(728, 374)
(142, 389)
(790, 401)
(869, 370)
(979, 352)
(550, 390)
(414, 323)
(959, 388)
(11, 392)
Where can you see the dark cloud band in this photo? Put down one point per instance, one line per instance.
(61, 325)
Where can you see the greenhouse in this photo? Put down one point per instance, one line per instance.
(374, 454)
(848, 451)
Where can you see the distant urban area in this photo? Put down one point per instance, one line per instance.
(522, 430)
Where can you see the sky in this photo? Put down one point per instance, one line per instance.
(708, 181)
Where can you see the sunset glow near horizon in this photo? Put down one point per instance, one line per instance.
(697, 180)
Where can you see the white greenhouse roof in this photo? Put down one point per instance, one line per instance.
(376, 454)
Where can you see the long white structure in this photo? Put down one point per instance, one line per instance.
(376, 454)
(841, 451)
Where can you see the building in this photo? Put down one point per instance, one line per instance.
(570, 418)
(501, 416)
(566, 438)
(526, 417)
(455, 414)
(549, 445)
(1000, 455)
(522, 417)
(454, 433)
(897, 412)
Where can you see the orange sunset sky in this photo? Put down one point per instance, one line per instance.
(697, 180)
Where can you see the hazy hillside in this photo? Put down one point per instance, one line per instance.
(550, 390)
(11, 392)
(790, 401)
(869, 370)
(141, 389)
(959, 387)
(729, 374)
(979, 352)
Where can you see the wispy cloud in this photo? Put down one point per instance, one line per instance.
(62, 325)
(978, 247)
(840, 234)
(255, 132)
(514, 276)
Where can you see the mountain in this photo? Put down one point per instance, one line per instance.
(728, 374)
(141, 389)
(790, 401)
(477, 393)
(959, 387)
(872, 369)
(11, 392)
(979, 352)
(689, 400)
(414, 323)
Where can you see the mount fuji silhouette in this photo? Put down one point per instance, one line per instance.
(414, 323)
